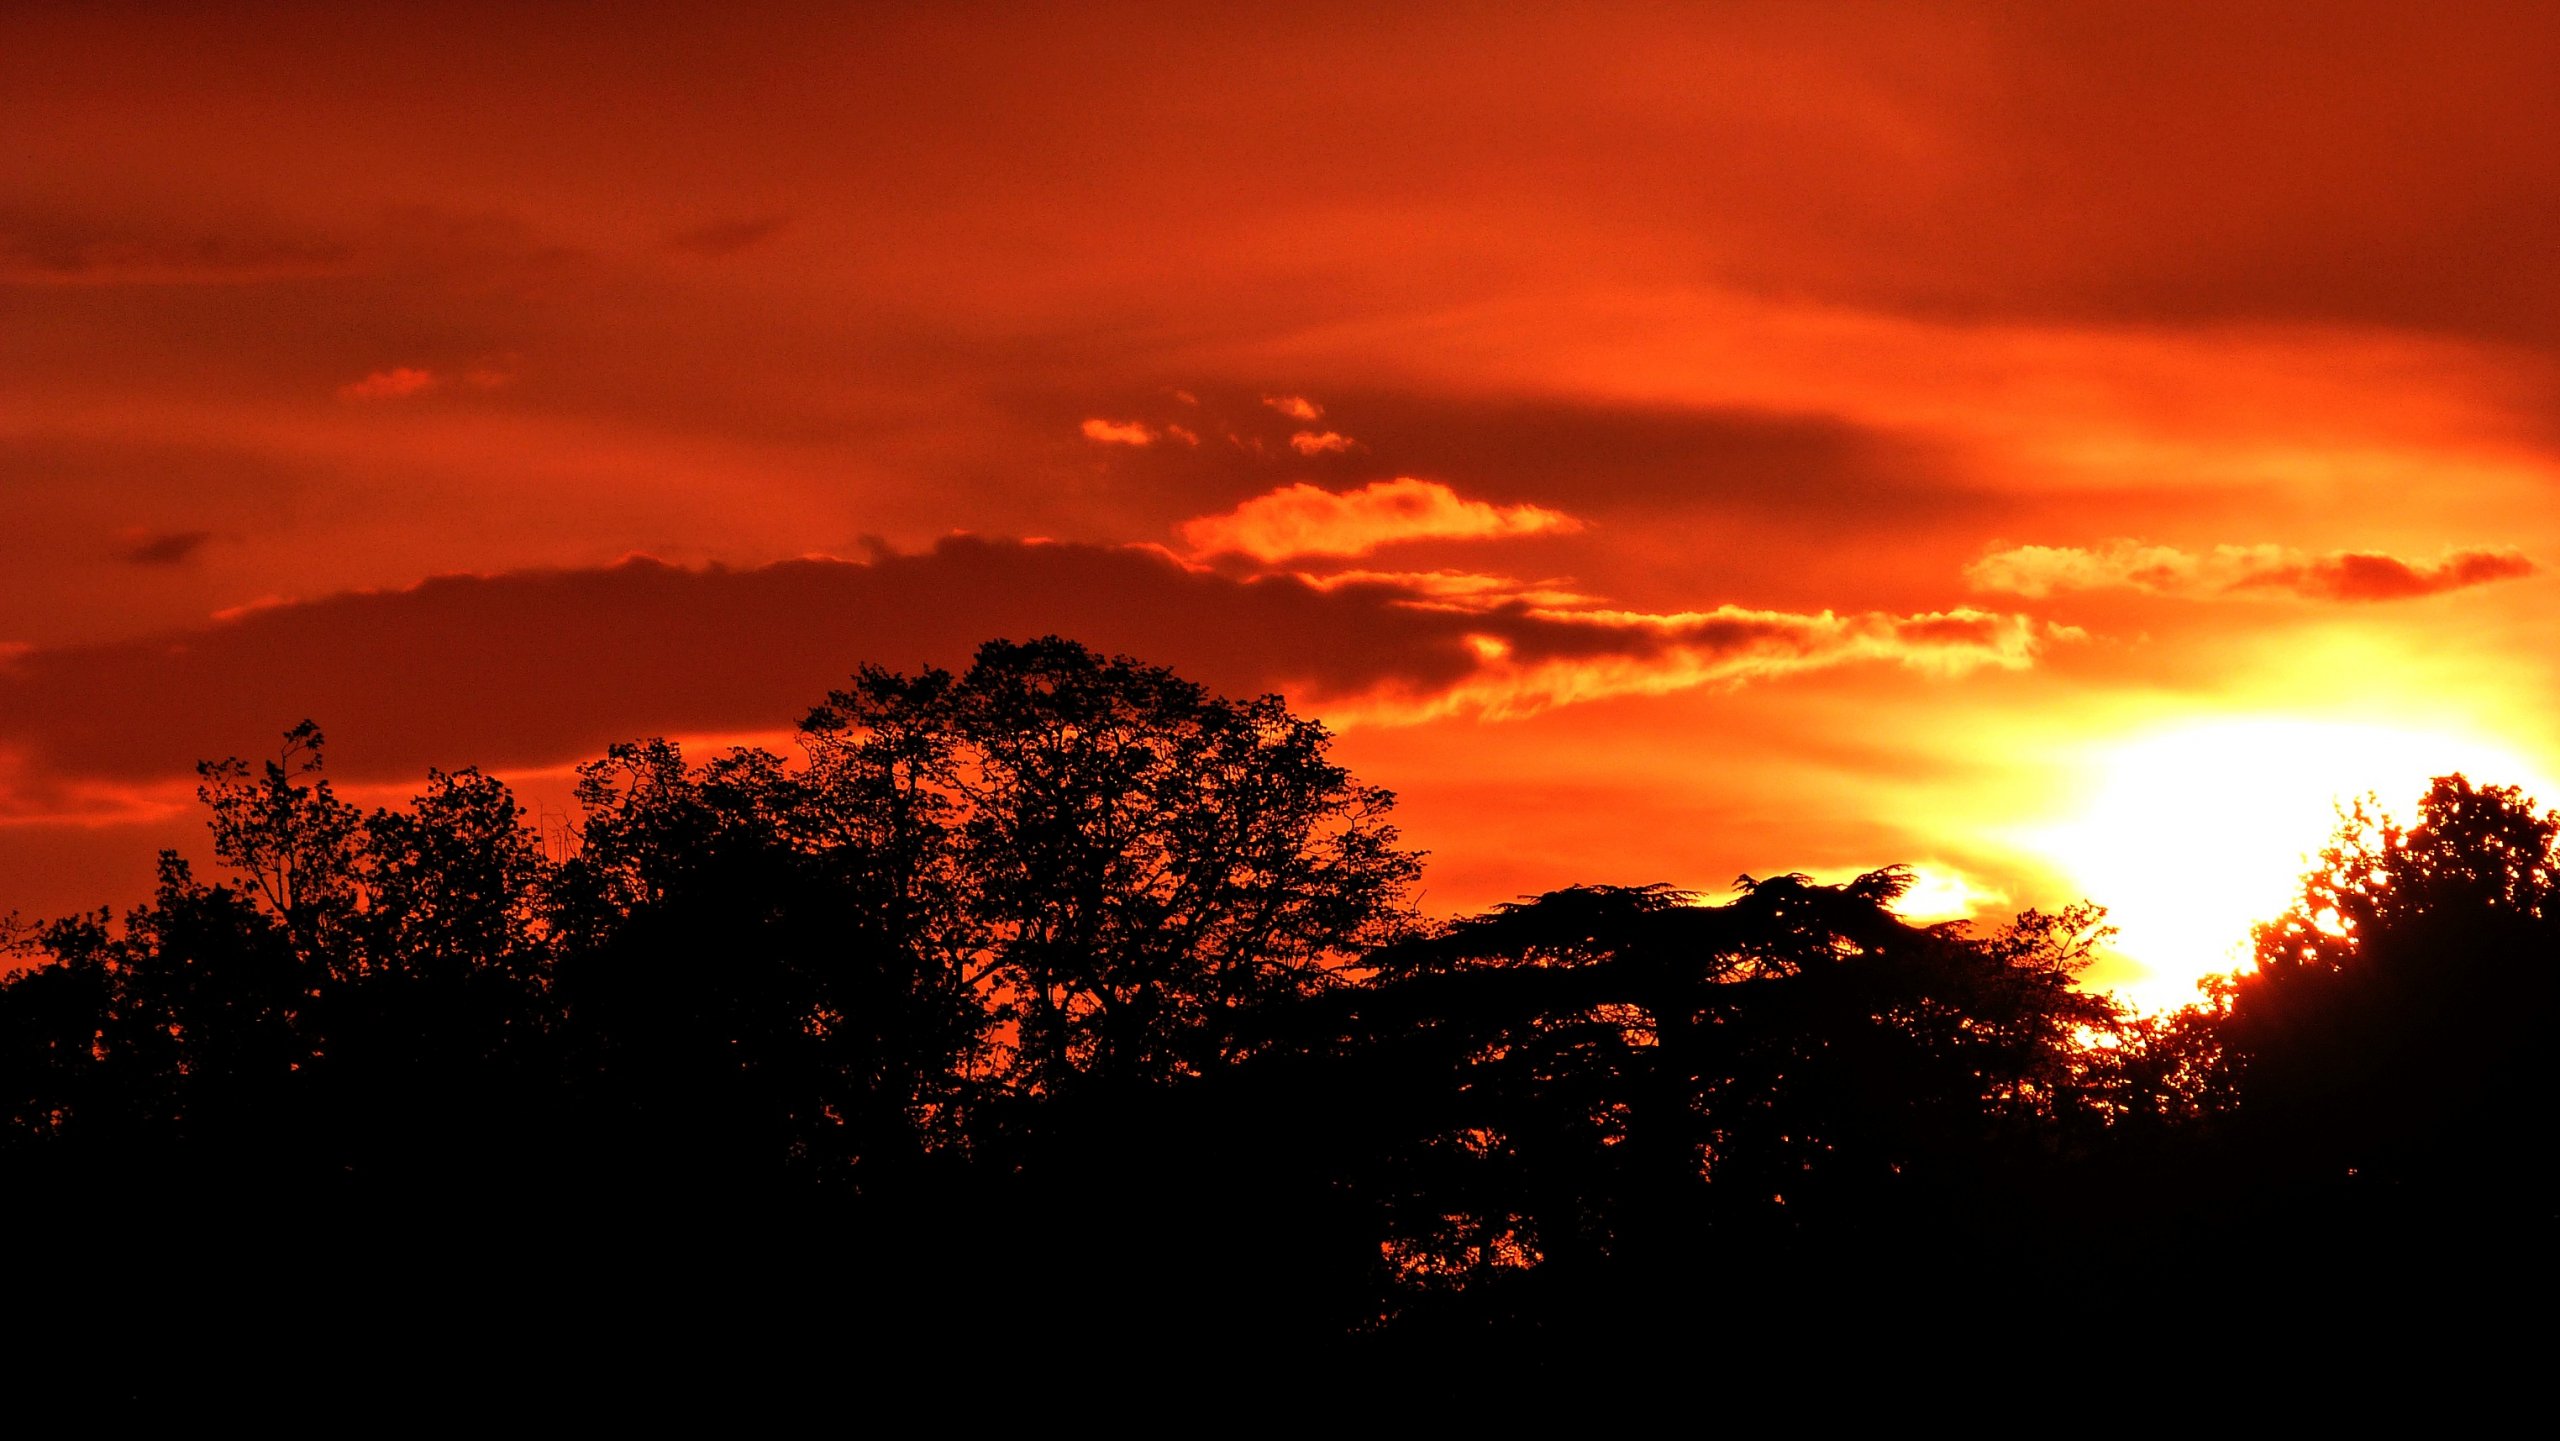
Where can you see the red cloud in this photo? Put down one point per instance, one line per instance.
(1296, 407)
(66, 254)
(396, 383)
(174, 547)
(2364, 575)
(535, 668)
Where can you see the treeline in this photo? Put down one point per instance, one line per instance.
(1061, 1005)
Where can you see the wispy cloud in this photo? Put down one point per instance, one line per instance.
(2345, 575)
(1296, 407)
(1462, 590)
(165, 548)
(397, 383)
(1308, 520)
(1119, 432)
(1542, 658)
(1320, 442)
(57, 254)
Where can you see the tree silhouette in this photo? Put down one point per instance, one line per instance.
(362, 1002)
(291, 839)
(2397, 1022)
(1144, 860)
(1573, 1111)
(744, 985)
(1063, 996)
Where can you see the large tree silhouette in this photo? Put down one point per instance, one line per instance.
(2396, 1025)
(1585, 1104)
(1143, 861)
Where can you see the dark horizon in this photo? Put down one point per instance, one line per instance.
(1067, 991)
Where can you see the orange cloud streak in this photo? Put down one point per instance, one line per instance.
(1730, 645)
(2037, 570)
(1307, 520)
(1118, 432)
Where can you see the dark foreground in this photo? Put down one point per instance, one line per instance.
(1056, 1041)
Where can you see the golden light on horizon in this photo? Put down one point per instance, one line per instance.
(2192, 833)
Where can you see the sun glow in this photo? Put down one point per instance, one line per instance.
(1940, 894)
(2188, 836)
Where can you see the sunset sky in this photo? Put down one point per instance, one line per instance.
(2057, 446)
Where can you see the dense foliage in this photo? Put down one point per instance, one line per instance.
(1063, 991)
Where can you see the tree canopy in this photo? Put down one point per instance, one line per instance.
(1063, 990)
(2397, 1020)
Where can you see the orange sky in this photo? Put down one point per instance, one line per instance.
(2031, 441)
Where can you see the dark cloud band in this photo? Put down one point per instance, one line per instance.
(537, 667)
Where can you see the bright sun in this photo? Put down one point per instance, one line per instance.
(2187, 836)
